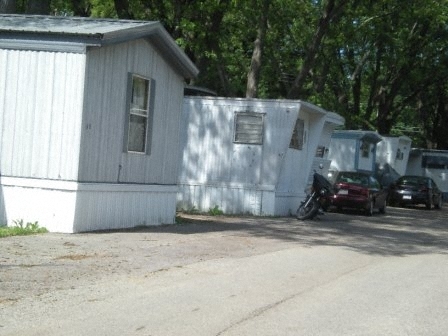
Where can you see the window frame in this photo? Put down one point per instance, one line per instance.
(295, 142)
(260, 124)
(365, 149)
(148, 102)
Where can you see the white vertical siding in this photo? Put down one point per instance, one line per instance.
(41, 107)
(208, 151)
(387, 152)
(342, 154)
(266, 179)
(366, 163)
(232, 199)
(404, 145)
(109, 206)
(102, 157)
(62, 206)
(414, 166)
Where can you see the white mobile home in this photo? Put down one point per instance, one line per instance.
(394, 151)
(248, 155)
(352, 150)
(89, 119)
(322, 161)
(431, 163)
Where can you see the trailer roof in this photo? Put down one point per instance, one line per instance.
(75, 34)
(67, 25)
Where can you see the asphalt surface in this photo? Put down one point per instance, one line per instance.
(343, 274)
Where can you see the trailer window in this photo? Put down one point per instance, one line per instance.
(298, 135)
(249, 127)
(365, 149)
(435, 162)
(138, 114)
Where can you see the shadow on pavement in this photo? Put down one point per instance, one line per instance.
(398, 232)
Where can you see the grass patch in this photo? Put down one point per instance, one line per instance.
(21, 229)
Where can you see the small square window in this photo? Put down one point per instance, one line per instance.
(320, 152)
(365, 149)
(249, 127)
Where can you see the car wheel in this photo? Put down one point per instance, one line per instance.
(392, 202)
(369, 210)
(382, 209)
(429, 203)
(439, 203)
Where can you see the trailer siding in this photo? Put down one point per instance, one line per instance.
(103, 158)
(41, 102)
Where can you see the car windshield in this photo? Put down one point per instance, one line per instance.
(412, 181)
(353, 178)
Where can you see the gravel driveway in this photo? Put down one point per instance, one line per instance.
(35, 265)
(36, 270)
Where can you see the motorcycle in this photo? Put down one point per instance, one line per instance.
(317, 201)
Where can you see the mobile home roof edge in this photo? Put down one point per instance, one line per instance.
(356, 134)
(74, 34)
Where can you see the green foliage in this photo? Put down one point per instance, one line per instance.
(21, 229)
(192, 211)
(379, 64)
(215, 211)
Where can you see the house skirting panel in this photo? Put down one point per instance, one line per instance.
(63, 206)
(236, 199)
(286, 204)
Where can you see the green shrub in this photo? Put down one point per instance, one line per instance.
(21, 229)
(215, 211)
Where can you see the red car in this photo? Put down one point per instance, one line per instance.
(358, 190)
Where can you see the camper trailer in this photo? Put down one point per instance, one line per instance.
(430, 163)
(394, 151)
(352, 150)
(249, 156)
(90, 114)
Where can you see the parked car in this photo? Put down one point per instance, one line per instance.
(413, 190)
(358, 190)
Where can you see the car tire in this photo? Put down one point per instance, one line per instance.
(369, 210)
(382, 209)
(429, 204)
(439, 203)
(392, 202)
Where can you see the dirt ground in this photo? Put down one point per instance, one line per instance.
(31, 266)
(41, 272)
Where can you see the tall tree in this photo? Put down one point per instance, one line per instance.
(40, 7)
(123, 9)
(255, 64)
(332, 11)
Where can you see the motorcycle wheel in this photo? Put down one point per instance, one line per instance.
(309, 211)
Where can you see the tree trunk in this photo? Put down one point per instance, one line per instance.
(38, 7)
(7, 6)
(81, 8)
(331, 13)
(255, 64)
(441, 120)
(122, 9)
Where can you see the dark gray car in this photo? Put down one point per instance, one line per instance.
(414, 190)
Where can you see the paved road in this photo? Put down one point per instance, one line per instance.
(344, 274)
